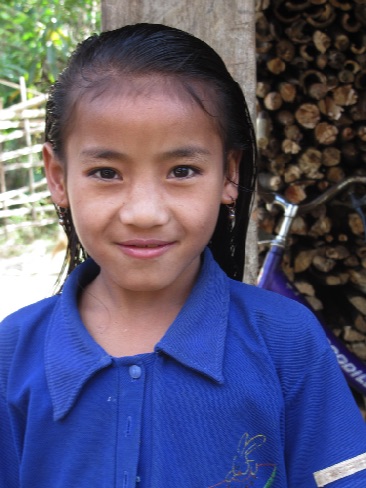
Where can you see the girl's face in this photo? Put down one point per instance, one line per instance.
(145, 177)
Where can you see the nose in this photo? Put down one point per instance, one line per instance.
(144, 207)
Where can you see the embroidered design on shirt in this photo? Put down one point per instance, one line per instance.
(245, 469)
(340, 470)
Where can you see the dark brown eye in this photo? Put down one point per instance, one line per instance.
(181, 172)
(107, 174)
(104, 173)
(184, 172)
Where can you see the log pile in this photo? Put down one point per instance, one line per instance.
(311, 131)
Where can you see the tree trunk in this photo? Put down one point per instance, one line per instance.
(229, 27)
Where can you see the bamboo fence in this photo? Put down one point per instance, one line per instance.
(24, 200)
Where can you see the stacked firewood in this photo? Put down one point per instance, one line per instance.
(311, 130)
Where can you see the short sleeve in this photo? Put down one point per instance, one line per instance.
(9, 458)
(325, 432)
(9, 462)
(321, 425)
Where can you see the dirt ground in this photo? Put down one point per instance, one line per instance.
(28, 276)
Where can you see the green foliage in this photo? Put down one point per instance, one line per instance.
(37, 36)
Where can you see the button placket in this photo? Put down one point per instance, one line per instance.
(132, 381)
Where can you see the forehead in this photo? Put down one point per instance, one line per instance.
(191, 93)
(142, 118)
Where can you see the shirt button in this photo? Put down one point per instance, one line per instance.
(135, 372)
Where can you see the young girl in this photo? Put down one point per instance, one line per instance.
(156, 367)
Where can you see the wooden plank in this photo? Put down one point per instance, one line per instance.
(10, 114)
(24, 151)
(8, 195)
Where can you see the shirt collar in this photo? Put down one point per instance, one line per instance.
(196, 338)
(71, 354)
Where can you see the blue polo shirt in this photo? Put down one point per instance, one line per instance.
(242, 391)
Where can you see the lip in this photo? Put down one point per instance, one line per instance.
(145, 248)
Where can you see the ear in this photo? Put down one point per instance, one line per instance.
(230, 189)
(56, 176)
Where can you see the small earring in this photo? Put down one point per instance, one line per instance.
(231, 215)
(63, 215)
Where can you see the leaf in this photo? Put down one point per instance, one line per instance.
(37, 36)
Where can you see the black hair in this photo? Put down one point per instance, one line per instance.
(149, 49)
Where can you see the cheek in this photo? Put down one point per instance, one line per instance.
(83, 202)
(88, 217)
(205, 217)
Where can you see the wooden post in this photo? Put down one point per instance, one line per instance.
(3, 205)
(227, 26)
(28, 142)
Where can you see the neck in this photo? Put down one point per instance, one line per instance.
(126, 323)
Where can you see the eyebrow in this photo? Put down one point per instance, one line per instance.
(186, 152)
(179, 153)
(101, 153)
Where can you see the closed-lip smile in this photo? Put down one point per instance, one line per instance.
(145, 248)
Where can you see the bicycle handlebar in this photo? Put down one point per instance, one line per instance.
(304, 208)
(272, 277)
(331, 193)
